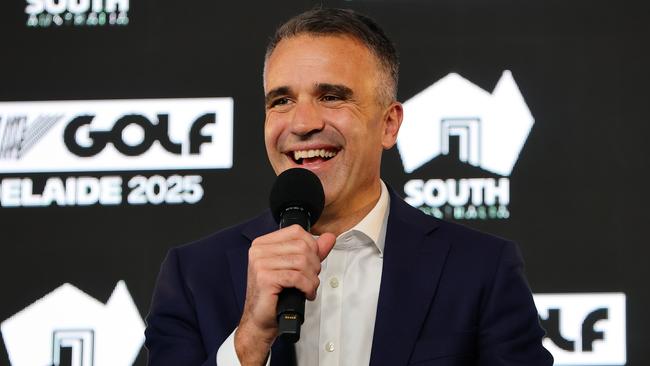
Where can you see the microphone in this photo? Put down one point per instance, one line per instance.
(297, 197)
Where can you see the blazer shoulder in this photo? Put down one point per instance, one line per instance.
(454, 233)
(470, 236)
(460, 238)
(478, 253)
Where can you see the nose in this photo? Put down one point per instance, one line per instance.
(306, 119)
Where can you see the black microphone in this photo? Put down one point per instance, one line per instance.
(297, 197)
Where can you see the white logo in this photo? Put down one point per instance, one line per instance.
(584, 329)
(491, 128)
(69, 325)
(46, 13)
(490, 131)
(116, 135)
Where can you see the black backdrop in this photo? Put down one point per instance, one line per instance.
(578, 196)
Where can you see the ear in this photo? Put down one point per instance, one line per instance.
(392, 122)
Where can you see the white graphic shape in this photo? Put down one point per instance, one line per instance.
(491, 128)
(117, 327)
(574, 310)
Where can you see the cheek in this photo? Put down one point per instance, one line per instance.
(365, 142)
(271, 133)
(347, 125)
(359, 137)
(271, 144)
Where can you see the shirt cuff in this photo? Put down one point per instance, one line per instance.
(227, 356)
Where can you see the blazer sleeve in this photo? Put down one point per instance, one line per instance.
(510, 333)
(173, 336)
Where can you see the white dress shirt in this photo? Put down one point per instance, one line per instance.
(339, 323)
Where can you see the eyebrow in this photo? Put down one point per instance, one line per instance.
(337, 89)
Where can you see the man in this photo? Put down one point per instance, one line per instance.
(386, 284)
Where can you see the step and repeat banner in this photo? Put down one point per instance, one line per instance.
(128, 127)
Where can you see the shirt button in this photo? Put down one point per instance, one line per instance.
(329, 347)
(334, 282)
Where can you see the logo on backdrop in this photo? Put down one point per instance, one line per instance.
(112, 135)
(459, 143)
(69, 327)
(79, 13)
(584, 329)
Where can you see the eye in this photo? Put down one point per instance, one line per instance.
(331, 98)
(278, 102)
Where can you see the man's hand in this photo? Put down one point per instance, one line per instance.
(286, 258)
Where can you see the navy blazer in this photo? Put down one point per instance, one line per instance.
(449, 295)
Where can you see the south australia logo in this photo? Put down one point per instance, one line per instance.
(458, 145)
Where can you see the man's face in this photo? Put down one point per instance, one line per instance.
(323, 114)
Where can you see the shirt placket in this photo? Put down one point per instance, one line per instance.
(331, 307)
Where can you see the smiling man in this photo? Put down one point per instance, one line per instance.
(326, 111)
(386, 284)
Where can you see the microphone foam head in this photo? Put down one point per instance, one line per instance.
(297, 187)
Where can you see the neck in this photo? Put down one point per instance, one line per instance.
(338, 221)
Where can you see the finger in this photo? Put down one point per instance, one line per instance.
(308, 264)
(292, 247)
(293, 232)
(325, 244)
(279, 280)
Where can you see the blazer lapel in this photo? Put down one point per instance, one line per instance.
(282, 353)
(412, 266)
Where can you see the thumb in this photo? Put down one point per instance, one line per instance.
(325, 244)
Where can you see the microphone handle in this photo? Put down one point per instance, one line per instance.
(291, 301)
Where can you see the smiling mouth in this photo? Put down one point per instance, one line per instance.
(301, 157)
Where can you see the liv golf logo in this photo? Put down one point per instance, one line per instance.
(459, 143)
(92, 13)
(584, 329)
(111, 136)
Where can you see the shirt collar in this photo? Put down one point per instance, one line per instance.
(373, 225)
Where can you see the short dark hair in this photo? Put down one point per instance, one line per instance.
(345, 22)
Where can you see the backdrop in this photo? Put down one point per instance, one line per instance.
(129, 127)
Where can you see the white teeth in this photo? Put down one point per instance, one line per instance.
(322, 153)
